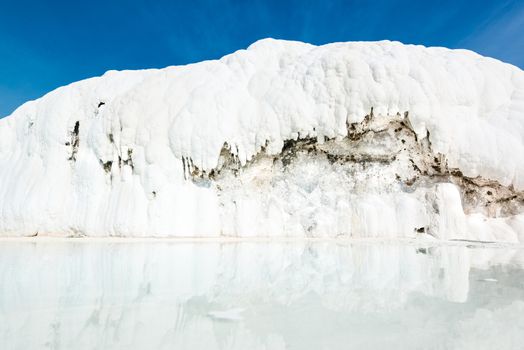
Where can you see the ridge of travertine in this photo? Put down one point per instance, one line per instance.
(284, 138)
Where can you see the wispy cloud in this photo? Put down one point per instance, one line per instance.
(501, 35)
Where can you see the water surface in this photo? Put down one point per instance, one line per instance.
(320, 295)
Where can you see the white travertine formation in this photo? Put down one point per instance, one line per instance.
(113, 155)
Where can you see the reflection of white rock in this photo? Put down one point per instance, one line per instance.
(489, 279)
(85, 295)
(227, 315)
(484, 329)
(208, 149)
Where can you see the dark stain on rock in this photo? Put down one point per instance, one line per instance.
(106, 165)
(75, 141)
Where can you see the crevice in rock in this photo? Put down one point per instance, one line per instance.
(106, 165)
(129, 160)
(74, 142)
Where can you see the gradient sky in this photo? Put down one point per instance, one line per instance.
(47, 44)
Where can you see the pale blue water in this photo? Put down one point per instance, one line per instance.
(83, 295)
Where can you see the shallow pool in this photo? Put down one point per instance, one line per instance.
(316, 295)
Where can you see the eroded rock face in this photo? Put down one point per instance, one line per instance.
(355, 186)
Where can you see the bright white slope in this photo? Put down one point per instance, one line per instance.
(125, 153)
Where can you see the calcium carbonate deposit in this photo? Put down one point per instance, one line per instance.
(358, 139)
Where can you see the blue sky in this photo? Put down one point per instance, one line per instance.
(47, 44)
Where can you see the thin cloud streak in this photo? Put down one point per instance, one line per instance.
(502, 36)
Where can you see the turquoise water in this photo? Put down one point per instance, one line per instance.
(320, 295)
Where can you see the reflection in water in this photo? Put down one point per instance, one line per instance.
(259, 296)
